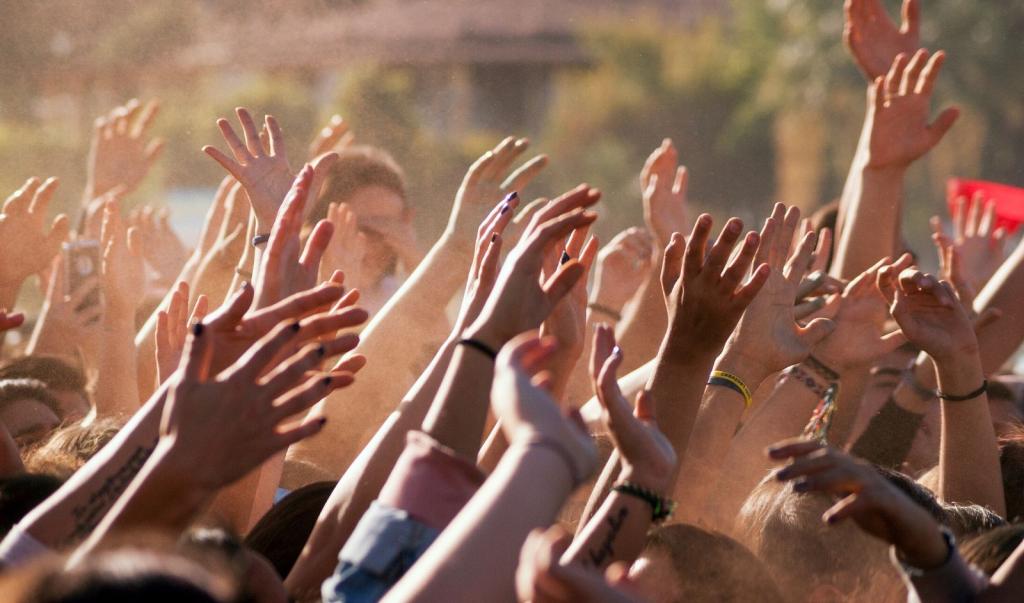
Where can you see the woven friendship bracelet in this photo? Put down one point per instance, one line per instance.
(661, 508)
(795, 372)
(822, 369)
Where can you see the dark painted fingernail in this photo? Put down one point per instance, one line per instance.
(781, 475)
(616, 351)
(831, 519)
(197, 329)
(504, 208)
(326, 381)
(321, 350)
(509, 197)
(296, 326)
(322, 421)
(801, 487)
(565, 257)
(494, 237)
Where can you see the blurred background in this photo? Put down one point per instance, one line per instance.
(758, 95)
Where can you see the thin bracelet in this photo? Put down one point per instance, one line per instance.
(480, 346)
(543, 441)
(596, 307)
(734, 383)
(260, 239)
(964, 398)
(795, 372)
(661, 508)
(820, 367)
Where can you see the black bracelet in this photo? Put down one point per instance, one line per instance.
(480, 346)
(260, 239)
(970, 396)
(820, 367)
(661, 508)
(605, 310)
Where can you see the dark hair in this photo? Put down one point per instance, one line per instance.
(921, 495)
(1011, 462)
(58, 374)
(33, 389)
(358, 167)
(968, 520)
(987, 551)
(712, 567)
(19, 494)
(282, 532)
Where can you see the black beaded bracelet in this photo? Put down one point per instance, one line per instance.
(661, 508)
(964, 398)
(260, 239)
(480, 347)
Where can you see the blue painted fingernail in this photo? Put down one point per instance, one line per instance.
(509, 197)
(197, 329)
(494, 237)
(565, 257)
(504, 208)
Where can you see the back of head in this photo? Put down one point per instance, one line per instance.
(988, 550)
(968, 520)
(71, 446)
(1011, 461)
(803, 554)
(57, 373)
(711, 567)
(282, 532)
(19, 494)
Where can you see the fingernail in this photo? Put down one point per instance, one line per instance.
(734, 226)
(801, 487)
(326, 381)
(565, 257)
(831, 519)
(509, 197)
(504, 208)
(494, 237)
(781, 475)
(322, 421)
(321, 350)
(617, 351)
(197, 329)
(244, 286)
(296, 327)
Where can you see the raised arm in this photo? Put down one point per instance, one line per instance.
(932, 318)
(896, 133)
(27, 244)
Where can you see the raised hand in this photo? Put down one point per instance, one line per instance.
(398, 234)
(65, 321)
(483, 273)
(899, 110)
(122, 153)
(522, 402)
(663, 183)
(164, 252)
(622, 267)
(864, 495)
(768, 338)
(264, 173)
(123, 272)
(288, 268)
(928, 313)
(977, 248)
(335, 136)
(219, 425)
(859, 337)
(872, 37)
(567, 322)
(487, 180)
(346, 248)
(648, 458)
(171, 328)
(520, 301)
(26, 243)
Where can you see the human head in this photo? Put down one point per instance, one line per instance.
(282, 532)
(682, 562)
(1011, 461)
(988, 550)
(28, 410)
(257, 579)
(371, 184)
(810, 560)
(65, 381)
(69, 447)
(21, 493)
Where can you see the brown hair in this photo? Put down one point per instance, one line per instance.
(69, 447)
(282, 532)
(57, 373)
(358, 167)
(712, 567)
(989, 550)
(1011, 462)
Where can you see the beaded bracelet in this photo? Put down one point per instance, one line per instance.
(661, 508)
(795, 372)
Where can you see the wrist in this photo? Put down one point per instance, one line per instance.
(173, 466)
(959, 375)
(743, 366)
(659, 483)
(482, 333)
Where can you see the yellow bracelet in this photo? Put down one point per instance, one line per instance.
(734, 383)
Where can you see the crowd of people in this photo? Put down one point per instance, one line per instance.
(310, 405)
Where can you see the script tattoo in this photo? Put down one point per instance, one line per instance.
(88, 514)
(605, 551)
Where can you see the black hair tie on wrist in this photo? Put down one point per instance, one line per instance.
(260, 239)
(480, 346)
(964, 398)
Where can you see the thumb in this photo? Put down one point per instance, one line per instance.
(942, 124)
(891, 341)
(816, 330)
(564, 280)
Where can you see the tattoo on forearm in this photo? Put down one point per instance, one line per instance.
(88, 514)
(604, 552)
